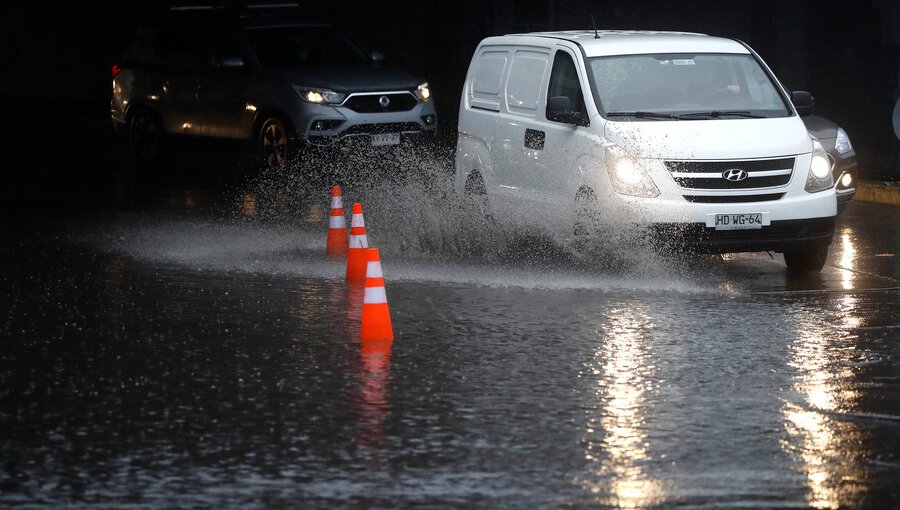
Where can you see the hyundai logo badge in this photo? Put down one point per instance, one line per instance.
(384, 101)
(735, 174)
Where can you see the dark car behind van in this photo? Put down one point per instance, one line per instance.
(262, 81)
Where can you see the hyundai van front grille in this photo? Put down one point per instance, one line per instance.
(733, 199)
(727, 175)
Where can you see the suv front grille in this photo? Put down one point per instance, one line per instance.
(391, 127)
(373, 103)
(761, 173)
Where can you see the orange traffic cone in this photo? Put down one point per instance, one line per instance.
(337, 227)
(376, 318)
(356, 253)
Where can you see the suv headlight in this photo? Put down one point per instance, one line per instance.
(820, 177)
(627, 176)
(423, 92)
(319, 96)
(842, 142)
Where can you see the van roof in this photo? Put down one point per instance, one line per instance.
(631, 42)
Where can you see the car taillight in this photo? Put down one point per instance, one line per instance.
(116, 70)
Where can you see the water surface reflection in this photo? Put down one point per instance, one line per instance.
(617, 444)
(823, 441)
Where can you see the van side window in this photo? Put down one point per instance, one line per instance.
(564, 82)
(526, 74)
(486, 82)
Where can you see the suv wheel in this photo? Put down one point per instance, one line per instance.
(145, 135)
(806, 260)
(273, 143)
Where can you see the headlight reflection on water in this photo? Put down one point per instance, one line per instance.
(847, 260)
(820, 441)
(616, 439)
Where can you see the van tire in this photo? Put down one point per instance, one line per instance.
(586, 228)
(475, 193)
(806, 260)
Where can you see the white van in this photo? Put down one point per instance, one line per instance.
(687, 135)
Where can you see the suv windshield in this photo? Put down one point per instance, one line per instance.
(304, 46)
(682, 86)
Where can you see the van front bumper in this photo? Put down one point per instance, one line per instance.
(779, 236)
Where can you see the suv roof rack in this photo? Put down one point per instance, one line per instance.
(233, 6)
(233, 10)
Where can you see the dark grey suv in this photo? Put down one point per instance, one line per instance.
(264, 82)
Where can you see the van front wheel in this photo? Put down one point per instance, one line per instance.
(806, 260)
(475, 193)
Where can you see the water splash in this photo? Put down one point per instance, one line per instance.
(424, 228)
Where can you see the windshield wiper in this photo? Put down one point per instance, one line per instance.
(715, 114)
(644, 115)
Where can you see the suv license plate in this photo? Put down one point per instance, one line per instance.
(745, 221)
(385, 139)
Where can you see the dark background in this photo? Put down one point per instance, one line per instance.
(55, 62)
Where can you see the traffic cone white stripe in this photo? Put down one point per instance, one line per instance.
(337, 202)
(373, 270)
(374, 296)
(358, 241)
(357, 221)
(336, 222)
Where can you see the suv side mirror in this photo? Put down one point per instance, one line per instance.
(559, 109)
(232, 62)
(803, 102)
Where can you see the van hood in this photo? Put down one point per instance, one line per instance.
(710, 139)
(352, 78)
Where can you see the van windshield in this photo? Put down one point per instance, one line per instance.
(683, 86)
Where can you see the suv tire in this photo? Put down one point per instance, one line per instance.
(273, 143)
(145, 137)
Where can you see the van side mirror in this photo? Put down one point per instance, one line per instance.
(803, 102)
(559, 109)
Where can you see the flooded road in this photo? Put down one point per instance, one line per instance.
(178, 359)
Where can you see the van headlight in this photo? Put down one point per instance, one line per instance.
(820, 177)
(319, 96)
(627, 176)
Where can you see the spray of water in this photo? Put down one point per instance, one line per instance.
(415, 214)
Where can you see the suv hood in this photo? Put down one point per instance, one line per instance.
(352, 78)
(820, 127)
(710, 139)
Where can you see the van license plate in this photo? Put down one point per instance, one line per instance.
(745, 221)
(385, 139)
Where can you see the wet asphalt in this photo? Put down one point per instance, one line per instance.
(183, 357)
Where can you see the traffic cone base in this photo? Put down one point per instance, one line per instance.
(376, 322)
